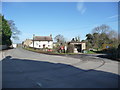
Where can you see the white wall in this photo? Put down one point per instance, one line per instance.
(39, 44)
(83, 46)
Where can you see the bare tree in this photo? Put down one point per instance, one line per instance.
(103, 34)
(14, 29)
(104, 28)
(60, 38)
(76, 39)
(112, 34)
(101, 29)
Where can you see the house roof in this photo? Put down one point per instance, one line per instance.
(43, 38)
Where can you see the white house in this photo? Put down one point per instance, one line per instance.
(27, 43)
(42, 42)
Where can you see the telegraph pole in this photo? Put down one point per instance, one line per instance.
(33, 40)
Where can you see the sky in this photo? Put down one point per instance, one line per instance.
(69, 19)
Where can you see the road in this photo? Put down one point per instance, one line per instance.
(26, 69)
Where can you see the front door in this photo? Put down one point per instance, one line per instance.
(43, 45)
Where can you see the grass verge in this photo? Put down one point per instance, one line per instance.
(48, 52)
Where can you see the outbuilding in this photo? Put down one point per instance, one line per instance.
(78, 46)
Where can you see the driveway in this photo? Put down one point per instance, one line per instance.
(26, 69)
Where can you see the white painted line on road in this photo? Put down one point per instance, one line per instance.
(27, 58)
(39, 84)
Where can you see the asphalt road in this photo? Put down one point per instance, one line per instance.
(26, 69)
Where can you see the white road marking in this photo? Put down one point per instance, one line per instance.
(39, 84)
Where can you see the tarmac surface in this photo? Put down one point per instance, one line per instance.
(26, 69)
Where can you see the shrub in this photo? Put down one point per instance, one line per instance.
(70, 48)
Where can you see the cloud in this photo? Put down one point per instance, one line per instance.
(114, 16)
(81, 7)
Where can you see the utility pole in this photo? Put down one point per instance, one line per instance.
(33, 40)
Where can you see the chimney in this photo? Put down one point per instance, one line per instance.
(50, 35)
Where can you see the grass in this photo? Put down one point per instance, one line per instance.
(37, 50)
(90, 52)
(56, 53)
(47, 52)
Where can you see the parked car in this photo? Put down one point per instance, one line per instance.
(49, 50)
(14, 45)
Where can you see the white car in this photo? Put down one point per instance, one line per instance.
(14, 45)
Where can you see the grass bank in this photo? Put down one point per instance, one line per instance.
(49, 52)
